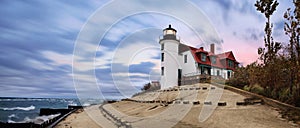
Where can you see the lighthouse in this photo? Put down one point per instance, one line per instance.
(170, 66)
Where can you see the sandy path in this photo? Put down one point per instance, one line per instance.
(91, 117)
(78, 119)
(168, 117)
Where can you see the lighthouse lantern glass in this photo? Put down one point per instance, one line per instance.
(169, 32)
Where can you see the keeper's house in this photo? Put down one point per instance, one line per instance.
(179, 60)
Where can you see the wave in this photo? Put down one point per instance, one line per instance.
(86, 104)
(36, 99)
(40, 119)
(19, 108)
(13, 116)
(73, 104)
(11, 121)
(24, 99)
(36, 120)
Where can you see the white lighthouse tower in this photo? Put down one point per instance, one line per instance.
(169, 58)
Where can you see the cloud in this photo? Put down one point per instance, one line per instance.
(144, 67)
(279, 25)
(250, 34)
(58, 58)
(38, 38)
(36, 46)
(38, 65)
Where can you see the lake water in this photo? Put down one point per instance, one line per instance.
(15, 110)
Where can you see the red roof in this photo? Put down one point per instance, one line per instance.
(221, 59)
(227, 55)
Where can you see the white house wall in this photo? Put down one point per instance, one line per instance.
(222, 72)
(190, 66)
(225, 74)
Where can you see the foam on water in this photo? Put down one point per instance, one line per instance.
(19, 108)
(12, 116)
(86, 104)
(39, 119)
(73, 104)
(10, 121)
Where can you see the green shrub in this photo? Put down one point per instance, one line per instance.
(246, 88)
(284, 95)
(257, 89)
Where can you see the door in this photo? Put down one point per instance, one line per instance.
(228, 74)
(179, 76)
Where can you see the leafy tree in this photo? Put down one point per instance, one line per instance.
(146, 87)
(268, 7)
(269, 53)
(240, 79)
(278, 74)
(292, 29)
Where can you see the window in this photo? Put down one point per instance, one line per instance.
(162, 46)
(185, 58)
(230, 64)
(203, 57)
(218, 73)
(162, 71)
(162, 57)
(213, 60)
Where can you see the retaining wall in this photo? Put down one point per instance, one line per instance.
(268, 101)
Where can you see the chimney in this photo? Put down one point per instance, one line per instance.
(201, 48)
(212, 48)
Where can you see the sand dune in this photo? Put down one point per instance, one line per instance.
(183, 113)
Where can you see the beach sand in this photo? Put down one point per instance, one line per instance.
(182, 115)
(78, 119)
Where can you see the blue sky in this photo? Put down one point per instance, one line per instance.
(40, 40)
